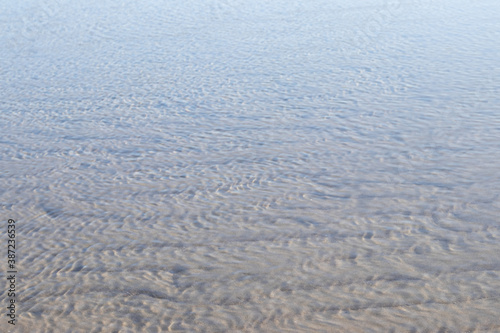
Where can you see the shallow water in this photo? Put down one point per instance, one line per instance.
(237, 166)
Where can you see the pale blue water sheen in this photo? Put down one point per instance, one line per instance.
(252, 166)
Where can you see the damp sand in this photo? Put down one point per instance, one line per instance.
(235, 166)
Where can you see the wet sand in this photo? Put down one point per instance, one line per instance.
(252, 167)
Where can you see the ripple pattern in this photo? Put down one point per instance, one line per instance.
(235, 166)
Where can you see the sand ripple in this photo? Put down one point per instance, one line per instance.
(252, 167)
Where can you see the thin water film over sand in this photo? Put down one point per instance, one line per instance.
(252, 166)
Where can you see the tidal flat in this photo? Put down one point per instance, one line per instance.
(251, 166)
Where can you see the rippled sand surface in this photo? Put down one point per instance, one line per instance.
(237, 166)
